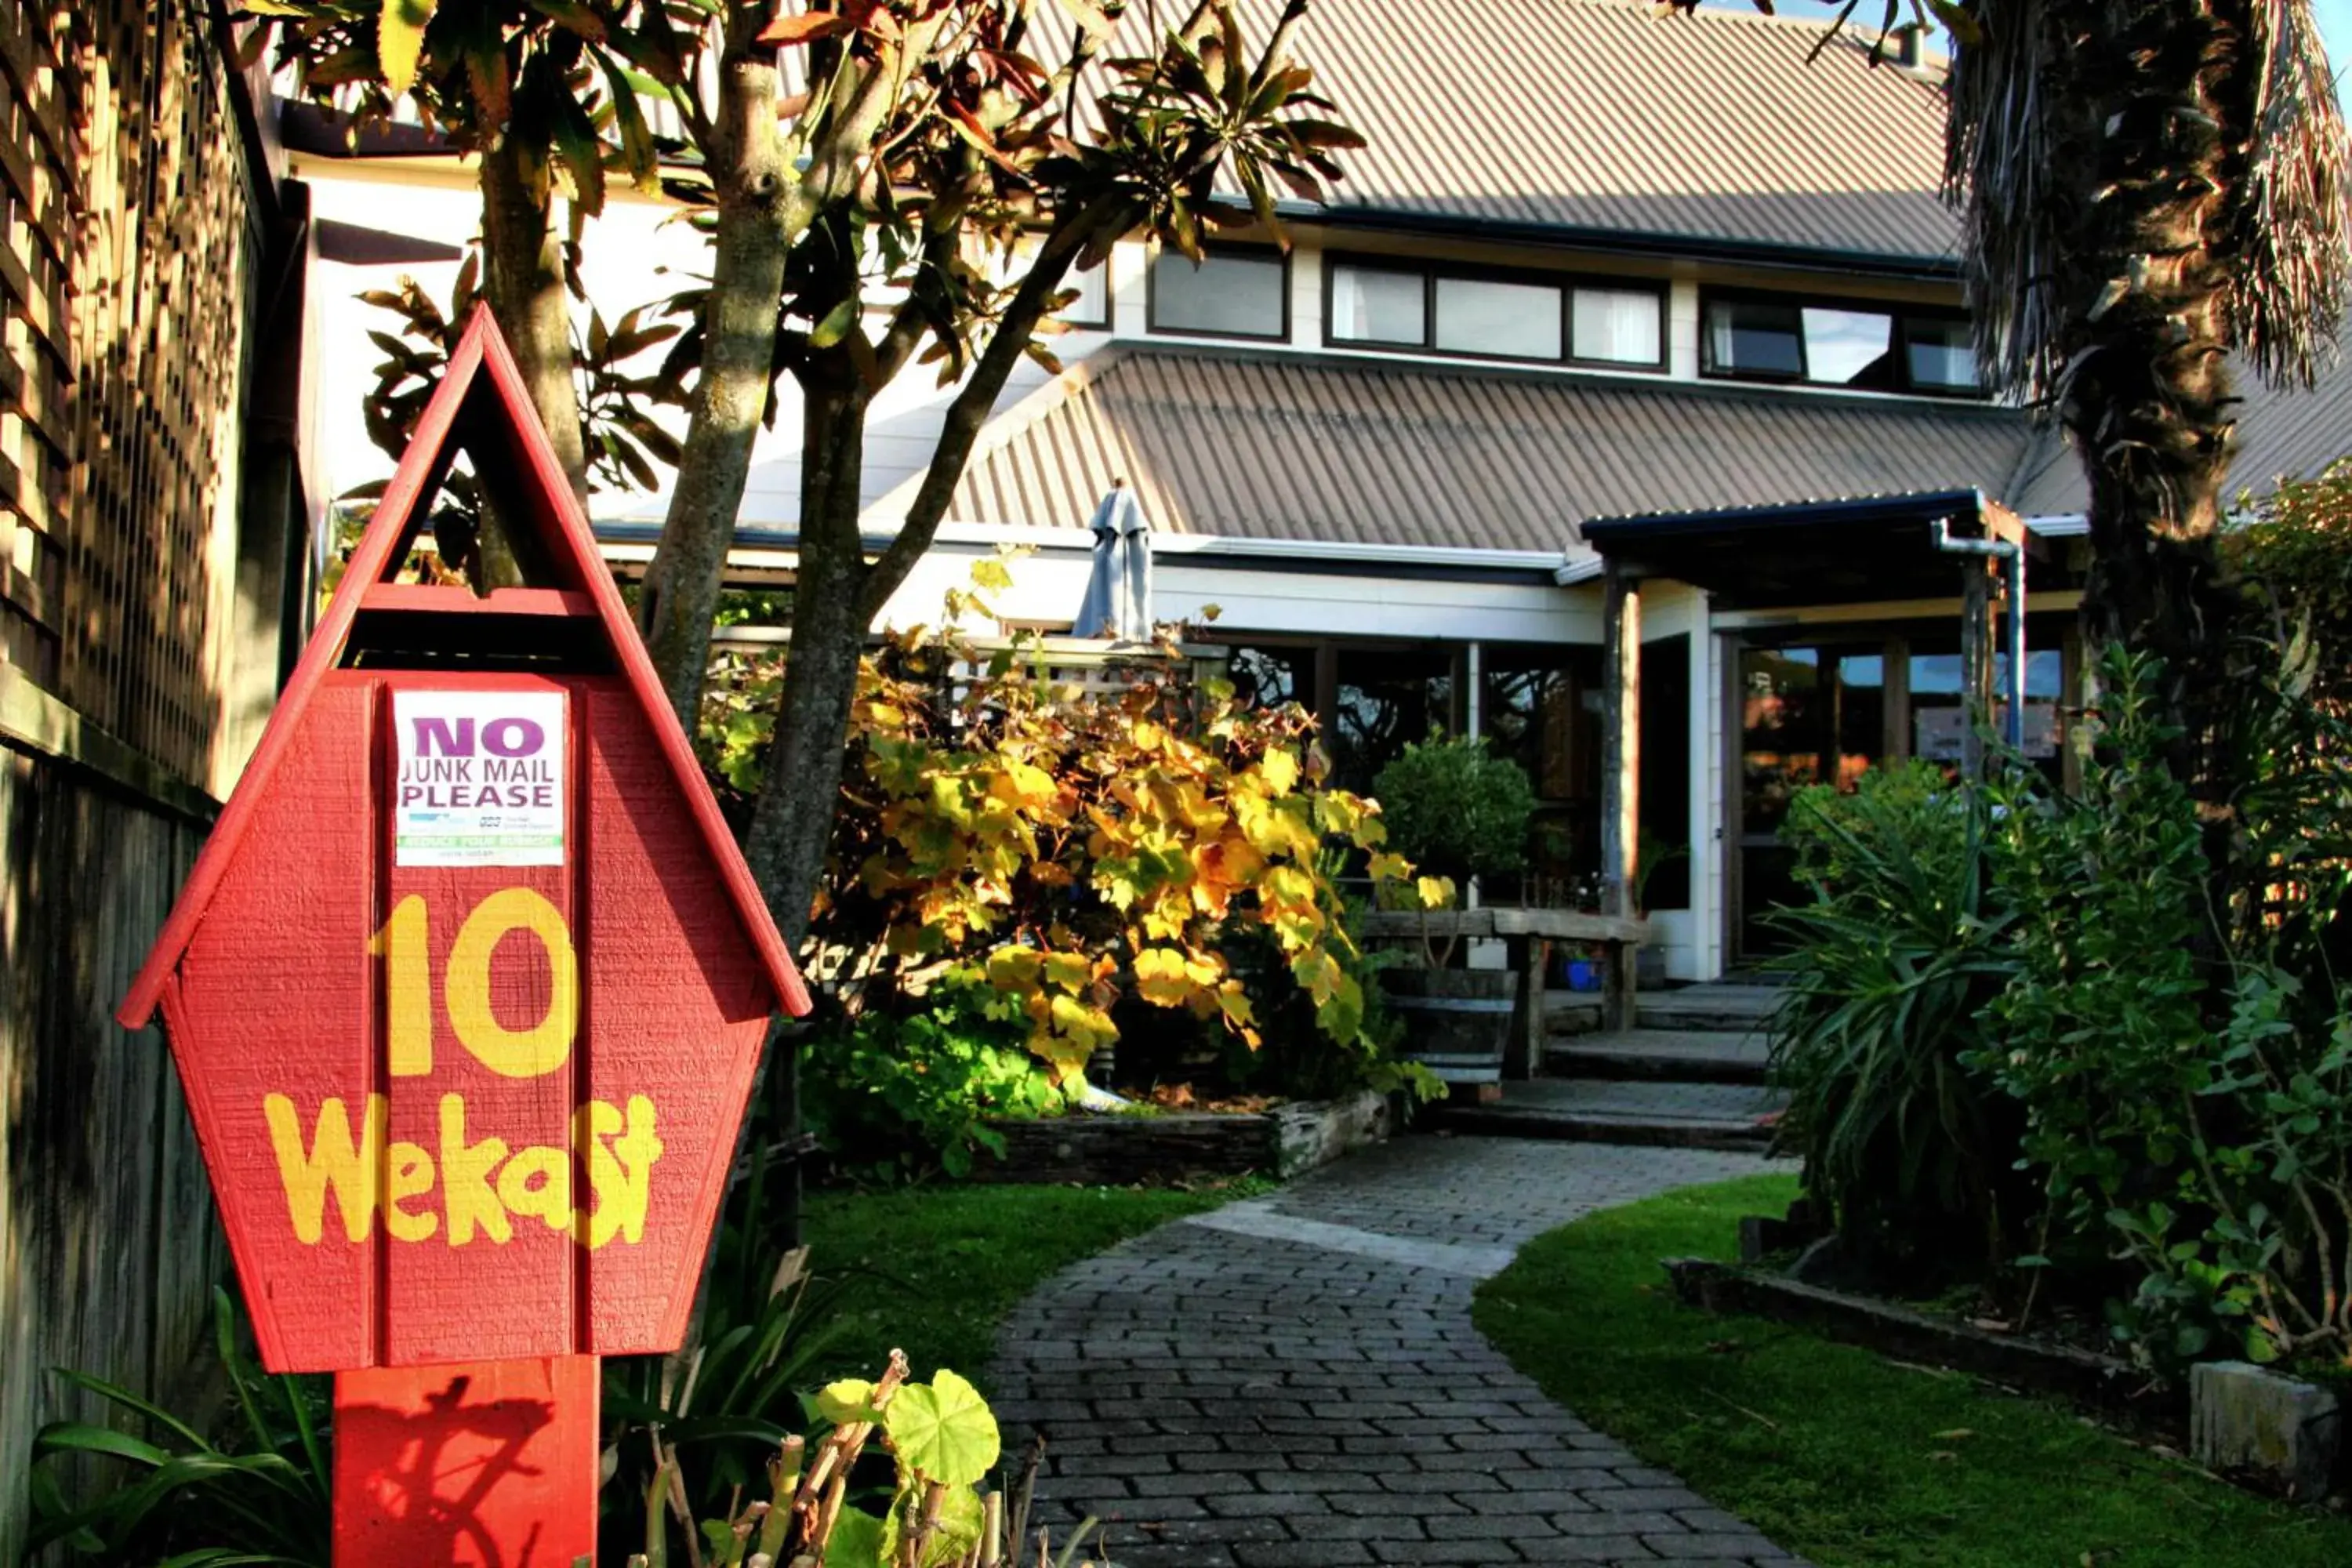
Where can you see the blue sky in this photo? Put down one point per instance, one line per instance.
(2335, 26)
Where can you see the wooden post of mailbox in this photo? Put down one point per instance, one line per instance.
(468, 989)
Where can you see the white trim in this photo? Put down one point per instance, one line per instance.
(2061, 525)
(1883, 609)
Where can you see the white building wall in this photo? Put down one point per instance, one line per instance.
(1683, 329)
(1335, 601)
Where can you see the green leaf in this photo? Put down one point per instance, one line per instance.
(85, 1439)
(944, 1429)
(400, 41)
(857, 1541)
(835, 325)
(851, 1399)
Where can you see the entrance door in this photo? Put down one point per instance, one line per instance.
(1809, 713)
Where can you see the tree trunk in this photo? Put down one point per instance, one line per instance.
(793, 820)
(522, 278)
(755, 188)
(837, 594)
(2150, 406)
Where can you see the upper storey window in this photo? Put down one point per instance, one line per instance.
(1493, 315)
(1761, 338)
(1231, 294)
(1091, 308)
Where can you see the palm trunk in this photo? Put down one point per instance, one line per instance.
(754, 186)
(2150, 406)
(522, 278)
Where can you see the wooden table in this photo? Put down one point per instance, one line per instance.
(1525, 932)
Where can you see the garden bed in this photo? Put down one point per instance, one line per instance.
(1158, 1147)
(2104, 1384)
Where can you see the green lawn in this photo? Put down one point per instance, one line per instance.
(932, 1270)
(1839, 1454)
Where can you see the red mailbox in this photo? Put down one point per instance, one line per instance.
(469, 986)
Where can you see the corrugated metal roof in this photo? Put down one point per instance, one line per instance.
(2282, 433)
(1599, 115)
(1372, 452)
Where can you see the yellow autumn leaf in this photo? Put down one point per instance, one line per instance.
(1161, 978)
(1436, 892)
(1014, 968)
(1023, 785)
(400, 41)
(1280, 767)
(1068, 971)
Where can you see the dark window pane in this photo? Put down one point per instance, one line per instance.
(1940, 355)
(1227, 294)
(1386, 698)
(1747, 337)
(1270, 677)
(1781, 731)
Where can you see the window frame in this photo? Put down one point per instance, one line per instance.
(1900, 315)
(1430, 269)
(1152, 323)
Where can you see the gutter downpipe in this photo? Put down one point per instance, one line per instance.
(2012, 556)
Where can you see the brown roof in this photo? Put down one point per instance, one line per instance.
(2282, 433)
(1598, 115)
(1329, 449)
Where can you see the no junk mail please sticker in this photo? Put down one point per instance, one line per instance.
(480, 781)
(469, 983)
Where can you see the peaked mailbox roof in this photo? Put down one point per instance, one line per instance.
(482, 405)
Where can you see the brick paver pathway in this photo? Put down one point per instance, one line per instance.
(1295, 1380)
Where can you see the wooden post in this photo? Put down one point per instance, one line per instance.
(1620, 779)
(488, 1464)
(1976, 662)
(1523, 1052)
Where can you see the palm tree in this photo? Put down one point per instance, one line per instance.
(2148, 187)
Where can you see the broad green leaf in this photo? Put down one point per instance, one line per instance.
(835, 325)
(400, 41)
(856, 1540)
(851, 1399)
(944, 1429)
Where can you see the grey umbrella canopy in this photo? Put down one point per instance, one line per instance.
(1118, 590)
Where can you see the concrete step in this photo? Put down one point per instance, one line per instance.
(1734, 1008)
(1686, 1115)
(1677, 1056)
(1572, 1012)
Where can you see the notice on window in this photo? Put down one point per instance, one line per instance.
(1937, 732)
(480, 781)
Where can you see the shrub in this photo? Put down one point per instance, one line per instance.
(2187, 1093)
(1058, 852)
(2004, 979)
(892, 1094)
(1456, 809)
(258, 1492)
(1896, 959)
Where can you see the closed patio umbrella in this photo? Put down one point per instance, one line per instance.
(1118, 590)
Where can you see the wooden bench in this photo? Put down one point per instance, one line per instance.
(1524, 933)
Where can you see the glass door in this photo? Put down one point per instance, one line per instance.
(1810, 713)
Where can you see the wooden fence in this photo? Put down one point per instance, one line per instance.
(141, 620)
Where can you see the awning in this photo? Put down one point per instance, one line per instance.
(1851, 550)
